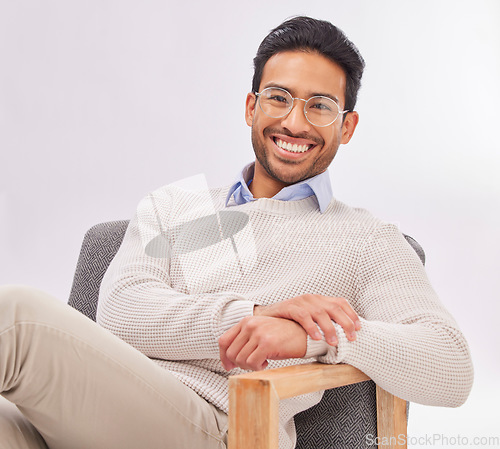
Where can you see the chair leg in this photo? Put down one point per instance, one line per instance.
(253, 421)
(391, 421)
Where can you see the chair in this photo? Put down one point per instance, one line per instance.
(350, 411)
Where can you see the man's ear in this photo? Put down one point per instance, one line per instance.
(250, 108)
(350, 122)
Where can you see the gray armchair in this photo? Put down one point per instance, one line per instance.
(343, 417)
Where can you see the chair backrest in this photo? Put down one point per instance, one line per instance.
(99, 247)
(342, 419)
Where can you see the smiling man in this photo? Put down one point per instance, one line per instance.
(270, 271)
(301, 123)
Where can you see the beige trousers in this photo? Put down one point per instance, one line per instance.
(76, 385)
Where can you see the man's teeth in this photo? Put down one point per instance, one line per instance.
(293, 148)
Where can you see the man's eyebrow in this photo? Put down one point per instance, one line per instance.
(331, 97)
(313, 94)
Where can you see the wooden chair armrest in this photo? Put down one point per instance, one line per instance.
(254, 399)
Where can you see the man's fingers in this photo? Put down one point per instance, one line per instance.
(326, 324)
(316, 312)
(251, 357)
(328, 309)
(257, 360)
(347, 324)
(225, 341)
(239, 353)
(345, 315)
(255, 340)
(346, 307)
(237, 349)
(226, 363)
(307, 322)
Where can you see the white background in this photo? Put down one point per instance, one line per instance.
(103, 101)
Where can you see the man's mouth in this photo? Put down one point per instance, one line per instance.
(291, 147)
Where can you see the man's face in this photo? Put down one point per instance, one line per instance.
(303, 75)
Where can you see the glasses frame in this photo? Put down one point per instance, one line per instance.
(340, 112)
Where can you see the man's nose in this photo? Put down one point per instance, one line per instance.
(296, 121)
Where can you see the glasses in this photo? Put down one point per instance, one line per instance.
(319, 111)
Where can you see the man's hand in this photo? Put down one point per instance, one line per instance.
(256, 339)
(314, 312)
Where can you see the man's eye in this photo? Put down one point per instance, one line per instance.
(322, 106)
(278, 99)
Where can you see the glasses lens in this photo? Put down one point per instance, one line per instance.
(275, 102)
(321, 111)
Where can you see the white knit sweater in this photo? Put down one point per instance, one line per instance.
(190, 268)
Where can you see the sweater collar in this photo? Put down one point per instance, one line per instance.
(319, 186)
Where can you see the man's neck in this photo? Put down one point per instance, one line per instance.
(263, 185)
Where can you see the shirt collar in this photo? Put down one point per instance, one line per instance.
(318, 185)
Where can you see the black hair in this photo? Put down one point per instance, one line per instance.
(308, 34)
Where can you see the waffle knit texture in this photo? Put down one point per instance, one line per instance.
(190, 268)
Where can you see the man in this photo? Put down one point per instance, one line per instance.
(268, 272)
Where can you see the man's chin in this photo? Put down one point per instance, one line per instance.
(286, 177)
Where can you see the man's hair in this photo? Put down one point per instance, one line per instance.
(307, 34)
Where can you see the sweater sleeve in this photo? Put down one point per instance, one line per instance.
(138, 303)
(408, 343)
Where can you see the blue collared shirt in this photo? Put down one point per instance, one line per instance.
(318, 185)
